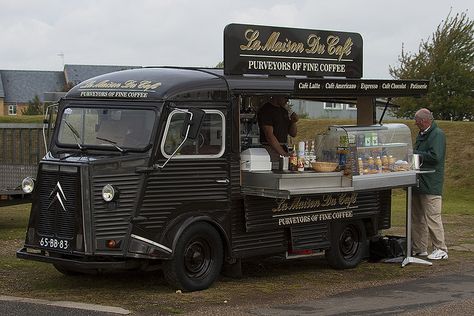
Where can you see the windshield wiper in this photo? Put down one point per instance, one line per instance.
(111, 142)
(75, 133)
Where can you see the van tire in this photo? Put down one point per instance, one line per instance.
(347, 244)
(197, 259)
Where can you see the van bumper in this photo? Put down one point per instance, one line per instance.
(80, 263)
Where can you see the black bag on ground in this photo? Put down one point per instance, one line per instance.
(385, 247)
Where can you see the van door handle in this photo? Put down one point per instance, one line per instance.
(226, 181)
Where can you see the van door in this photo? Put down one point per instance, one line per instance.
(187, 202)
(193, 185)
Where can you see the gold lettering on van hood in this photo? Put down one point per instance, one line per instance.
(143, 85)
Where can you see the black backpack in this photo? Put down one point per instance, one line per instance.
(386, 247)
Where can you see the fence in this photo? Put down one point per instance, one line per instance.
(21, 148)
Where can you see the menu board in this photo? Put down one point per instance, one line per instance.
(360, 87)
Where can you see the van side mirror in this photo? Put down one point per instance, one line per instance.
(193, 121)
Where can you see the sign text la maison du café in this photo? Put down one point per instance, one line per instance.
(254, 49)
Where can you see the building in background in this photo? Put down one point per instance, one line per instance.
(19, 87)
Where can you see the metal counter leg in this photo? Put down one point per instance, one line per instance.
(409, 258)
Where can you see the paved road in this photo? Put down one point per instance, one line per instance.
(436, 295)
(15, 306)
(443, 295)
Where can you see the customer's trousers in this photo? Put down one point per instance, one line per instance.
(426, 222)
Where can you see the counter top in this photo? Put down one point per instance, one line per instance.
(284, 184)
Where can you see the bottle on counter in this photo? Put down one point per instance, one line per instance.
(312, 153)
(307, 156)
(293, 160)
(342, 155)
(360, 164)
(300, 157)
(300, 166)
(370, 164)
(378, 164)
(385, 162)
(391, 163)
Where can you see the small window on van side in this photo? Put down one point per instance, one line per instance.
(209, 144)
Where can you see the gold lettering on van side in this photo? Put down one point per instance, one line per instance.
(345, 200)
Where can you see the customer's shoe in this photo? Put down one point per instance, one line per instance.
(419, 254)
(438, 254)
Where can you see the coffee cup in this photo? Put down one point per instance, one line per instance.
(417, 161)
(283, 163)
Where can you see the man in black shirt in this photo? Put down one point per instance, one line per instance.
(276, 122)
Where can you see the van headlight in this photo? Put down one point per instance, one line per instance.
(28, 185)
(108, 192)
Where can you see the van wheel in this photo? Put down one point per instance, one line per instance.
(197, 260)
(347, 245)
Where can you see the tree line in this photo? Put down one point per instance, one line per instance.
(446, 60)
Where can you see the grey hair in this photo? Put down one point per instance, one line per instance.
(424, 114)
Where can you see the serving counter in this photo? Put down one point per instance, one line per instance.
(376, 157)
(282, 184)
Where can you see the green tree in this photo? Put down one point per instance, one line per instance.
(35, 107)
(447, 61)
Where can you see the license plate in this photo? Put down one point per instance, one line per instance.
(54, 243)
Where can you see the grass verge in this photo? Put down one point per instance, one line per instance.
(266, 281)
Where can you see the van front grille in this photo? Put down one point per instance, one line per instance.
(59, 202)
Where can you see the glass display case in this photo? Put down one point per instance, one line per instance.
(376, 157)
(367, 150)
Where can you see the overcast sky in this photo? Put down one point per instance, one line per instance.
(42, 34)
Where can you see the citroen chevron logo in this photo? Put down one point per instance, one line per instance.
(58, 195)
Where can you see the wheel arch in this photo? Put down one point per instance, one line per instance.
(177, 229)
(347, 243)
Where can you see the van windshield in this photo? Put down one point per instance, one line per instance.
(115, 129)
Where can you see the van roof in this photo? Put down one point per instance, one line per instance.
(174, 83)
